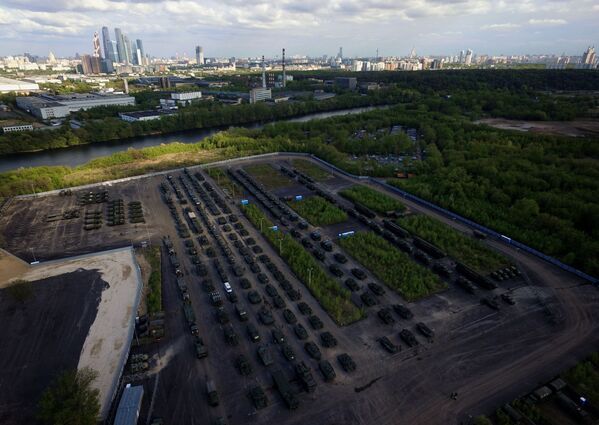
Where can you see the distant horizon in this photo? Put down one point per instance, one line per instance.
(312, 28)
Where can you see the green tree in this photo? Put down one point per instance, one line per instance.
(71, 400)
(482, 420)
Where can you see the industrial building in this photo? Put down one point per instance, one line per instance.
(349, 83)
(19, 127)
(8, 85)
(46, 106)
(145, 115)
(128, 411)
(260, 94)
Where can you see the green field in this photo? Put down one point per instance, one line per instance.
(318, 211)
(372, 199)
(330, 294)
(462, 248)
(154, 295)
(268, 176)
(224, 181)
(394, 268)
(310, 169)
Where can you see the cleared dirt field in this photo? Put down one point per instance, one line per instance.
(576, 128)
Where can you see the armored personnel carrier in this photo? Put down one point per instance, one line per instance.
(425, 330)
(385, 315)
(326, 368)
(300, 331)
(265, 355)
(312, 350)
(346, 362)
(388, 345)
(403, 311)
(315, 322)
(408, 337)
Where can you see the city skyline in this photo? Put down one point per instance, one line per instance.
(434, 27)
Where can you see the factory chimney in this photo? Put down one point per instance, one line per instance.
(284, 76)
(263, 73)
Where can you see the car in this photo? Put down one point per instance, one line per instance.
(334, 268)
(306, 243)
(289, 316)
(304, 308)
(376, 289)
(227, 286)
(340, 258)
(358, 273)
(327, 245)
(351, 284)
(315, 236)
(300, 331)
(253, 332)
(278, 336)
(254, 297)
(319, 254)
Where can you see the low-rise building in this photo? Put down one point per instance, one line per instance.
(47, 106)
(18, 127)
(349, 83)
(185, 96)
(260, 94)
(8, 85)
(145, 115)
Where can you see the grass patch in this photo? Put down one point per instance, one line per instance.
(464, 249)
(224, 181)
(584, 378)
(154, 296)
(268, 176)
(318, 211)
(393, 267)
(372, 199)
(330, 294)
(310, 169)
(20, 290)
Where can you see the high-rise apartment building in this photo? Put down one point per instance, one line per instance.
(588, 57)
(468, 58)
(199, 55)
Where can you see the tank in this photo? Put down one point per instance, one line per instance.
(376, 289)
(258, 396)
(300, 331)
(282, 384)
(328, 340)
(386, 316)
(243, 365)
(403, 311)
(408, 337)
(212, 393)
(326, 368)
(368, 299)
(315, 322)
(312, 350)
(346, 362)
(388, 345)
(304, 375)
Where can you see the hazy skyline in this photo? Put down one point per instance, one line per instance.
(311, 27)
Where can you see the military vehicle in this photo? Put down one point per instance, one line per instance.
(243, 365)
(358, 273)
(408, 337)
(507, 298)
(258, 396)
(320, 255)
(279, 302)
(441, 270)
(287, 351)
(328, 340)
(271, 290)
(245, 283)
(326, 368)
(221, 316)
(304, 375)
(208, 285)
(403, 311)
(200, 348)
(293, 294)
(278, 336)
(212, 393)
(253, 332)
(289, 316)
(475, 277)
(216, 298)
(304, 308)
(385, 315)
(368, 299)
(422, 257)
(266, 316)
(265, 355)
(306, 243)
(230, 335)
(346, 362)
(282, 384)
(376, 289)
(241, 313)
(465, 284)
(396, 229)
(425, 330)
(254, 297)
(312, 350)
(300, 331)
(490, 302)
(335, 270)
(428, 248)
(388, 345)
(169, 245)
(352, 285)
(327, 245)
(315, 322)
(340, 258)
(138, 367)
(315, 236)
(136, 358)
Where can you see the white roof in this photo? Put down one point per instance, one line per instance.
(8, 84)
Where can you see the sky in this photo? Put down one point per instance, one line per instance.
(245, 28)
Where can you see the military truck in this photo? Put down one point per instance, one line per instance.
(200, 348)
(216, 299)
(258, 396)
(326, 368)
(212, 393)
(282, 384)
(304, 375)
(265, 355)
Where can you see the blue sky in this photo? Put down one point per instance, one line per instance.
(305, 27)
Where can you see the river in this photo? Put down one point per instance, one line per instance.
(77, 155)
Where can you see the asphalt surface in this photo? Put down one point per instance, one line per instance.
(45, 336)
(488, 357)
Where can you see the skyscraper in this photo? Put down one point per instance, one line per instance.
(468, 58)
(120, 45)
(96, 44)
(127, 48)
(199, 55)
(588, 57)
(109, 52)
(133, 52)
(140, 52)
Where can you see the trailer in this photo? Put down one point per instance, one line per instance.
(396, 229)
(429, 248)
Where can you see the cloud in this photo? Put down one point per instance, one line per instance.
(500, 27)
(549, 22)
